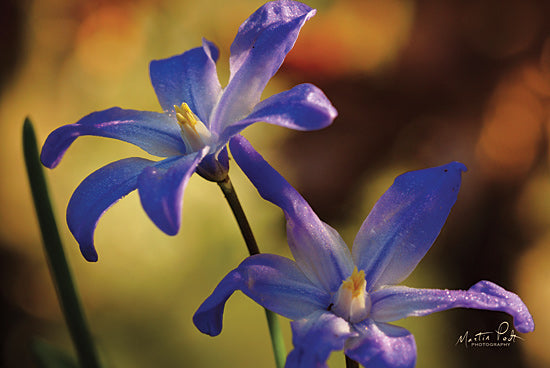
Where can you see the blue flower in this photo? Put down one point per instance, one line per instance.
(199, 119)
(339, 299)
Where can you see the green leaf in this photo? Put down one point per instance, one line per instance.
(49, 356)
(59, 267)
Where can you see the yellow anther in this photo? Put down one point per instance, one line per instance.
(355, 283)
(185, 116)
(193, 131)
(352, 301)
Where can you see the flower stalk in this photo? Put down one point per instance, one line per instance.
(276, 335)
(59, 267)
(231, 196)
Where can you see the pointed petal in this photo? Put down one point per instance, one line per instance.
(161, 190)
(315, 337)
(396, 302)
(191, 78)
(382, 345)
(304, 107)
(96, 194)
(257, 52)
(318, 249)
(274, 282)
(155, 133)
(405, 222)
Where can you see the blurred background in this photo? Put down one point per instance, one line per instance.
(416, 83)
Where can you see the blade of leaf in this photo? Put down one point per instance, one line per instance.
(49, 356)
(59, 268)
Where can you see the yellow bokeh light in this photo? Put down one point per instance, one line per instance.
(534, 278)
(512, 130)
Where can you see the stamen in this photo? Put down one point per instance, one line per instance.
(352, 302)
(355, 282)
(193, 131)
(185, 116)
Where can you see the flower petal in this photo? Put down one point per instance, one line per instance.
(318, 249)
(257, 52)
(405, 222)
(191, 78)
(304, 107)
(99, 191)
(396, 302)
(272, 281)
(382, 345)
(161, 190)
(154, 132)
(315, 337)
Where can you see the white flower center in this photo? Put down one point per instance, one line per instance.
(351, 301)
(193, 131)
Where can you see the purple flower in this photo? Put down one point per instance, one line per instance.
(199, 119)
(339, 299)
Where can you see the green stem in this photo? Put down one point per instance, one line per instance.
(277, 340)
(350, 363)
(231, 196)
(66, 290)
